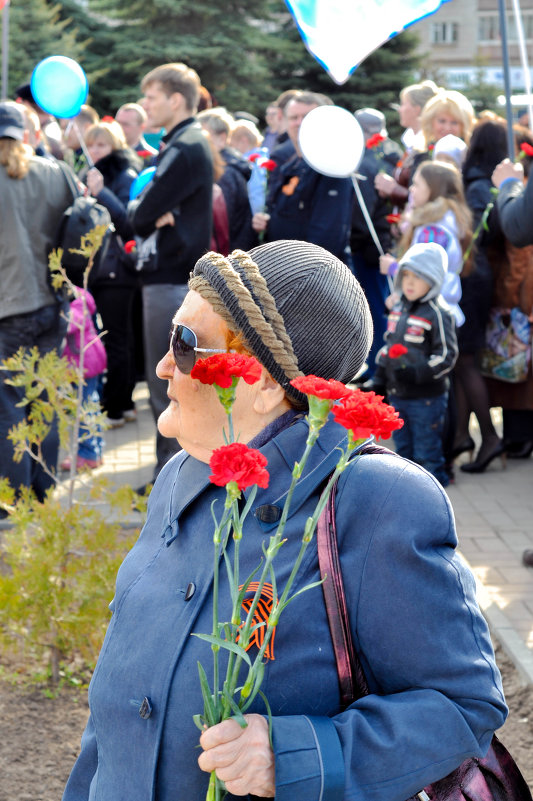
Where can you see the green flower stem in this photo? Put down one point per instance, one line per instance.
(237, 536)
(217, 539)
(482, 224)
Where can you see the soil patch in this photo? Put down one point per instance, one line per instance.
(41, 735)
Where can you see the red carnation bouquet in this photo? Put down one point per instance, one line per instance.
(238, 467)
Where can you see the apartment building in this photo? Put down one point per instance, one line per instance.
(461, 41)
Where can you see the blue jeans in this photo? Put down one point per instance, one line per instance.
(420, 438)
(90, 445)
(44, 329)
(376, 289)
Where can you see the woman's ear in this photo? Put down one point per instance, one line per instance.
(269, 396)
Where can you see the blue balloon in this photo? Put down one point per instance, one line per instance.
(141, 181)
(59, 86)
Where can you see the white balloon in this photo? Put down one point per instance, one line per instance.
(332, 141)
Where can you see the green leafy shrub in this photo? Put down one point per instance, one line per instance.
(59, 558)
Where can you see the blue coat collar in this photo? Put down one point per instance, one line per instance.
(191, 478)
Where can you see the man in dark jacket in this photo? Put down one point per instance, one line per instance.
(175, 207)
(302, 203)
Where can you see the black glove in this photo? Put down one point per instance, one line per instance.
(404, 372)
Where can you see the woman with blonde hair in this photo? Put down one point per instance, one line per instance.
(448, 112)
(113, 285)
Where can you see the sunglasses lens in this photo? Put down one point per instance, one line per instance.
(183, 342)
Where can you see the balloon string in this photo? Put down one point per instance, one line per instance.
(369, 222)
(90, 162)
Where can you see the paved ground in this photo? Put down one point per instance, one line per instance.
(494, 513)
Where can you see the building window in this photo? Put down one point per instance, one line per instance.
(489, 27)
(444, 33)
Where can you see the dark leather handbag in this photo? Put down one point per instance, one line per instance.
(496, 777)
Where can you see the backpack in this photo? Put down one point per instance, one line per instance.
(80, 218)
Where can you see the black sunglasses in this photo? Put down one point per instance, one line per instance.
(184, 346)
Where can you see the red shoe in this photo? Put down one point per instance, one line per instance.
(81, 464)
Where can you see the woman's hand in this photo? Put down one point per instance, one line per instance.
(384, 184)
(260, 221)
(385, 262)
(95, 181)
(242, 758)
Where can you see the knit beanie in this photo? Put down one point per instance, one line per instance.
(299, 309)
(427, 260)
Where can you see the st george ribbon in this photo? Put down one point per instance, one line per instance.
(340, 34)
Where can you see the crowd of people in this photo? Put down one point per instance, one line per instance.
(311, 298)
(220, 183)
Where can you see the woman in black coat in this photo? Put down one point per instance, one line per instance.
(114, 284)
(488, 144)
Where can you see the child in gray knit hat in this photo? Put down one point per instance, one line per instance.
(420, 350)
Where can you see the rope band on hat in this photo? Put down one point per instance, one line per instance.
(219, 281)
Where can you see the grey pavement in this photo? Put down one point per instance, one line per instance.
(493, 510)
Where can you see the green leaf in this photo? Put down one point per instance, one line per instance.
(199, 722)
(299, 592)
(229, 646)
(209, 706)
(237, 714)
(269, 713)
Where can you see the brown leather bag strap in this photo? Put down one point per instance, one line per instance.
(352, 681)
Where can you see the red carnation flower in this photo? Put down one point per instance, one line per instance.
(365, 413)
(397, 350)
(130, 246)
(239, 463)
(375, 140)
(253, 156)
(268, 164)
(108, 118)
(222, 368)
(144, 154)
(526, 148)
(399, 164)
(327, 389)
(393, 219)
(431, 148)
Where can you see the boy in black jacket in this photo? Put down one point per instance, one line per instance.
(419, 352)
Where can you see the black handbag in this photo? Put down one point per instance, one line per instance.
(496, 777)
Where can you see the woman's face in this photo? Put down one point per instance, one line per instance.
(444, 124)
(409, 113)
(419, 191)
(99, 148)
(195, 416)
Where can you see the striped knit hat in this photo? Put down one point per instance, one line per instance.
(299, 309)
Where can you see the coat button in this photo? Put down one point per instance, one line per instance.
(145, 709)
(268, 513)
(189, 592)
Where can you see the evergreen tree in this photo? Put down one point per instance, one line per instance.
(221, 41)
(245, 51)
(35, 32)
(376, 82)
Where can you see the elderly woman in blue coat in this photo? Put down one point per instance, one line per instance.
(435, 692)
